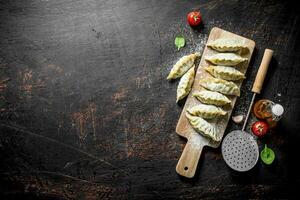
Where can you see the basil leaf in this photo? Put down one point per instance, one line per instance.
(179, 41)
(267, 155)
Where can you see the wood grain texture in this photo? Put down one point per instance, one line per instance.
(262, 71)
(86, 111)
(188, 161)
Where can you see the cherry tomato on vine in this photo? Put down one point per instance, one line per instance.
(260, 128)
(194, 18)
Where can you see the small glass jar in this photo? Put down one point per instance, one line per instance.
(269, 111)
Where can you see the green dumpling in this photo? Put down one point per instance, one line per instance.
(219, 85)
(209, 97)
(228, 59)
(225, 72)
(206, 111)
(185, 84)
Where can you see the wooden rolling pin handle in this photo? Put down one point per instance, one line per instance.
(262, 71)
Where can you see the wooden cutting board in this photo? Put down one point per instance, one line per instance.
(188, 161)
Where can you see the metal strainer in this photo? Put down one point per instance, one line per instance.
(239, 148)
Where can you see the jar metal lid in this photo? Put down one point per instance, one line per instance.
(277, 109)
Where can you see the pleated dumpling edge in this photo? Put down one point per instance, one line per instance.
(227, 45)
(182, 66)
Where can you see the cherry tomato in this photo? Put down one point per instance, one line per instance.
(260, 128)
(194, 18)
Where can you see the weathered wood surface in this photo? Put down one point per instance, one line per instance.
(86, 111)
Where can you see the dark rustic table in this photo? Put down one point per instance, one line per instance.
(86, 111)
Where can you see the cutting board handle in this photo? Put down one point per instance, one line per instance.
(262, 71)
(189, 158)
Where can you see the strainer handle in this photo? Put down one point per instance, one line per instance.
(189, 159)
(262, 71)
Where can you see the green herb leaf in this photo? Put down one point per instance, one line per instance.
(267, 155)
(179, 41)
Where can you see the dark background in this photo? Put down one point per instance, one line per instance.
(86, 111)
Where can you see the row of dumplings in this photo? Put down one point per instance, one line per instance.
(220, 84)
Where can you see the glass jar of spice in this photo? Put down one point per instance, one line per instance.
(268, 111)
